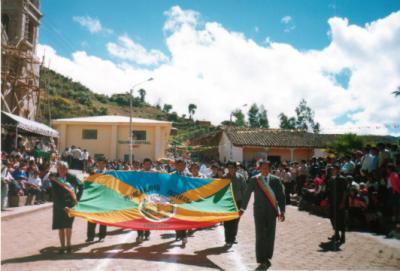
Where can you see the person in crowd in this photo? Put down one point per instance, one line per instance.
(337, 189)
(67, 190)
(194, 171)
(269, 203)
(144, 235)
(34, 186)
(180, 169)
(238, 187)
(393, 184)
(85, 160)
(357, 206)
(91, 227)
(6, 179)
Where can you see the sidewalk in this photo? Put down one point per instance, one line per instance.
(12, 212)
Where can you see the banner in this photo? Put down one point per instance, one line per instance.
(155, 201)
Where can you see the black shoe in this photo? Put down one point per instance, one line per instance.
(342, 240)
(89, 240)
(69, 250)
(147, 238)
(61, 251)
(101, 239)
(264, 266)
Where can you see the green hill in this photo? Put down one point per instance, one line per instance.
(61, 97)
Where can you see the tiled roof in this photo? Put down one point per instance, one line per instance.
(109, 119)
(277, 138)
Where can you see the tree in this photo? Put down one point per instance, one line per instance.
(192, 109)
(305, 118)
(286, 122)
(397, 92)
(142, 94)
(346, 144)
(167, 108)
(262, 118)
(252, 115)
(239, 117)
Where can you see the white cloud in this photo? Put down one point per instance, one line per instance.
(220, 70)
(176, 17)
(91, 24)
(287, 21)
(128, 49)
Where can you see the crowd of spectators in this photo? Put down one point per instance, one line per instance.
(25, 170)
(373, 186)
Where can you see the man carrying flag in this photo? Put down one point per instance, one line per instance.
(269, 203)
(91, 227)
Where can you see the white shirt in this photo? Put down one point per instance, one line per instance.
(35, 180)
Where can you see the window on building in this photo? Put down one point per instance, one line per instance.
(139, 135)
(5, 22)
(29, 33)
(89, 134)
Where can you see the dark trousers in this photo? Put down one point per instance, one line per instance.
(91, 231)
(231, 227)
(144, 233)
(181, 234)
(265, 221)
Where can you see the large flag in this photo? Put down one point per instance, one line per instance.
(155, 201)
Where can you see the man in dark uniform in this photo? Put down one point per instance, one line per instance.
(238, 188)
(336, 189)
(269, 203)
(91, 227)
(145, 235)
(180, 169)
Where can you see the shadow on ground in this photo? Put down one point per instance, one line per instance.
(155, 253)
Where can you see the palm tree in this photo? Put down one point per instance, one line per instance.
(192, 109)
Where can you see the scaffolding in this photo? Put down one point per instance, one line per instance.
(20, 88)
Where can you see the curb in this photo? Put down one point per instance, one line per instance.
(10, 216)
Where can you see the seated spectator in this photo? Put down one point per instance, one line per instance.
(34, 187)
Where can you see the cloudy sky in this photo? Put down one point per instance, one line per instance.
(343, 57)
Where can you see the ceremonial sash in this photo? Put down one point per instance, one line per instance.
(63, 184)
(269, 193)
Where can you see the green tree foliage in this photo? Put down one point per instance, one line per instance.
(167, 108)
(258, 117)
(252, 116)
(346, 144)
(142, 94)
(173, 116)
(192, 109)
(262, 118)
(239, 118)
(305, 118)
(286, 122)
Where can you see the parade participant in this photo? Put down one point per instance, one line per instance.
(145, 235)
(91, 227)
(238, 188)
(194, 171)
(67, 189)
(269, 203)
(180, 169)
(336, 189)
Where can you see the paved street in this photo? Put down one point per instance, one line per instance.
(29, 244)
